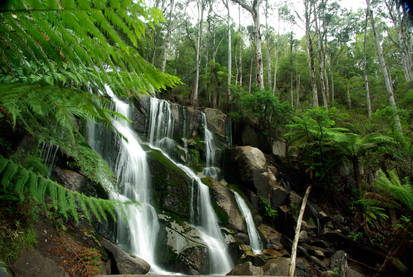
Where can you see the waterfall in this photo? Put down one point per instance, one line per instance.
(210, 150)
(255, 241)
(161, 125)
(138, 230)
(48, 155)
(202, 212)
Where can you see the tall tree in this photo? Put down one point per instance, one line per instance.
(310, 51)
(253, 7)
(201, 7)
(226, 3)
(396, 15)
(386, 75)
(366, 78)
(267, 44)
(168, 36)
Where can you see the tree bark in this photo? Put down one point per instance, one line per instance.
(366, 78)
(168, 37)
(387, 78)
(226, 3)
(198, 52)
(254, 11)
(297, 233)
(310, 53)
(240, 46)
(297, 105)
(267, 48)
(320, 58)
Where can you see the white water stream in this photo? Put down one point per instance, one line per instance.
(210, 150)
(255, 241)
(138, 230)
(205, 218)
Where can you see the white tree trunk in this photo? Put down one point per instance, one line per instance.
(387, 78)
(168, 37)
(229, 54)
(366, 78)
(310, 53)
(267, 48)
(198, 52)
(274, 88)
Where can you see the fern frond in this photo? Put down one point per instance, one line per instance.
(26, 182)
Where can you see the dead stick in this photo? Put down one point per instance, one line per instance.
(297, 232)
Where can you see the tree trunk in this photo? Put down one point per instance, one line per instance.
(387, 78)
(254, 11)
(240, 46)
(356, 170)
(198, 52)
(366, 78)
(229, 54)
(320, 59)
(310, 53)
(291, 272)
(348, 95)
(250, 83)
(267, 48)
(274, 88)
(297, 104)
(168, 37)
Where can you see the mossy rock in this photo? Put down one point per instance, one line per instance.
(171, 186)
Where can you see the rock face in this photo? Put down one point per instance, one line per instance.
(246, 268)
(247, 167)
(32, 264)
(277, 267)
(224, 198)
(77, 182)
(125, 263)
(272, 237)
(185, 251)
(171, 185)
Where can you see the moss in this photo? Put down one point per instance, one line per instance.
(207, 181)
(221, 214)
(158, 156)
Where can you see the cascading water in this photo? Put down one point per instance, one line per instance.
(48, 155)
(202, 213)
(255, 241)
(161, 125)
(210, 150)
(138, 230)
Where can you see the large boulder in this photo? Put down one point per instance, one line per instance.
(277, 267)
(247, 167)
(225, 200)
(125, 263)
(246, 268)
(77, 182)
(185, 251)
(272, 237)
(33, 263)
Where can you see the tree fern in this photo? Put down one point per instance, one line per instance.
(26, 182)
(392, 186)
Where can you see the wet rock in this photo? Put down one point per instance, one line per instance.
(272, 237)
(277, 267)
(33, 263)
(185, 251)
(125, 263)
(246, 268)
(171, 185)
(225, 199)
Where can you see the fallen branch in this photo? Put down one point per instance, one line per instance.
(297, 232)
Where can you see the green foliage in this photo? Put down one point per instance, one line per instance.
(269, 211)
(25, 183)
(392, 186)
(355, 236)
(51, 41)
